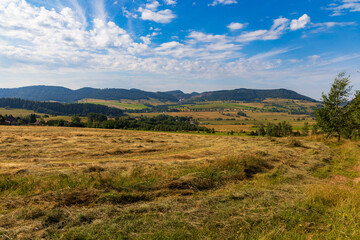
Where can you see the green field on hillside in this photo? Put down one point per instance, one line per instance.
(130, 106)
(15, 112)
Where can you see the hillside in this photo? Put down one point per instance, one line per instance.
(62, 94)
(250, 95)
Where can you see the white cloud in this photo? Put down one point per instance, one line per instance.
(151, 13)
(326, 26)
(170, 2)
(300, 23)
(252, 36)
(202, 37)
(271, 53)
(153, 5)
(333, 24)
(344, 7)
(37, 43)
(99, 9)
(314, 58)
(222, 2)
(276, 31)
(236, 26)
(168, 45)
(163, 16)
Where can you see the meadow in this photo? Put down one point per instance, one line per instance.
(71, 183)
(15, 112)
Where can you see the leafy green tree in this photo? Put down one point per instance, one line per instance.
(354, 115)
(333, 117)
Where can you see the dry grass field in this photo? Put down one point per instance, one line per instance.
(70, 183)
(229, 128)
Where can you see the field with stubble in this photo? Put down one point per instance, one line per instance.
(71, 183)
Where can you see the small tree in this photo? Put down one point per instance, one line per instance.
(332, 118)
(261, 130)
(76, 122)
(315, 129)
(305, 130)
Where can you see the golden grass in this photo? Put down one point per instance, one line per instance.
(55, 148)
(228, 128)
(195, 115)
(70, 183)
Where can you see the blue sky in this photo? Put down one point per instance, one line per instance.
(190, 45)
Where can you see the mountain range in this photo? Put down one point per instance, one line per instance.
(66, 95)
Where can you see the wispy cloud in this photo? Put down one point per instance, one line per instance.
(326, 26)
(222, 2)
(344, 7)
(99, 9)
(80, 11)
(277, 29)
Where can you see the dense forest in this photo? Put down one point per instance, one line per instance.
(54, 108)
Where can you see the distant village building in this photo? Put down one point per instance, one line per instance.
(10, 120)
(37, 123)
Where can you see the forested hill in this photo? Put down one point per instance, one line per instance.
(62, 94)
(250, 95)
(55, 108)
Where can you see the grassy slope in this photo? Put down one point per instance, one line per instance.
(116, 104)
(15, 112)
(106, 184)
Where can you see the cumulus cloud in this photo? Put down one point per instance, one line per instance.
(222, 2)
(344, 7)
(236, 26)
(151, 13)
(54, 42)
(40, 36)
(163, 16)
(300, 23)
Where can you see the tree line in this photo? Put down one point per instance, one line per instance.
(339, 115)
(54, 108)
(157, 123)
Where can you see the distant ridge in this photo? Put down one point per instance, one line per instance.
(244, 94)
(66, 95)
